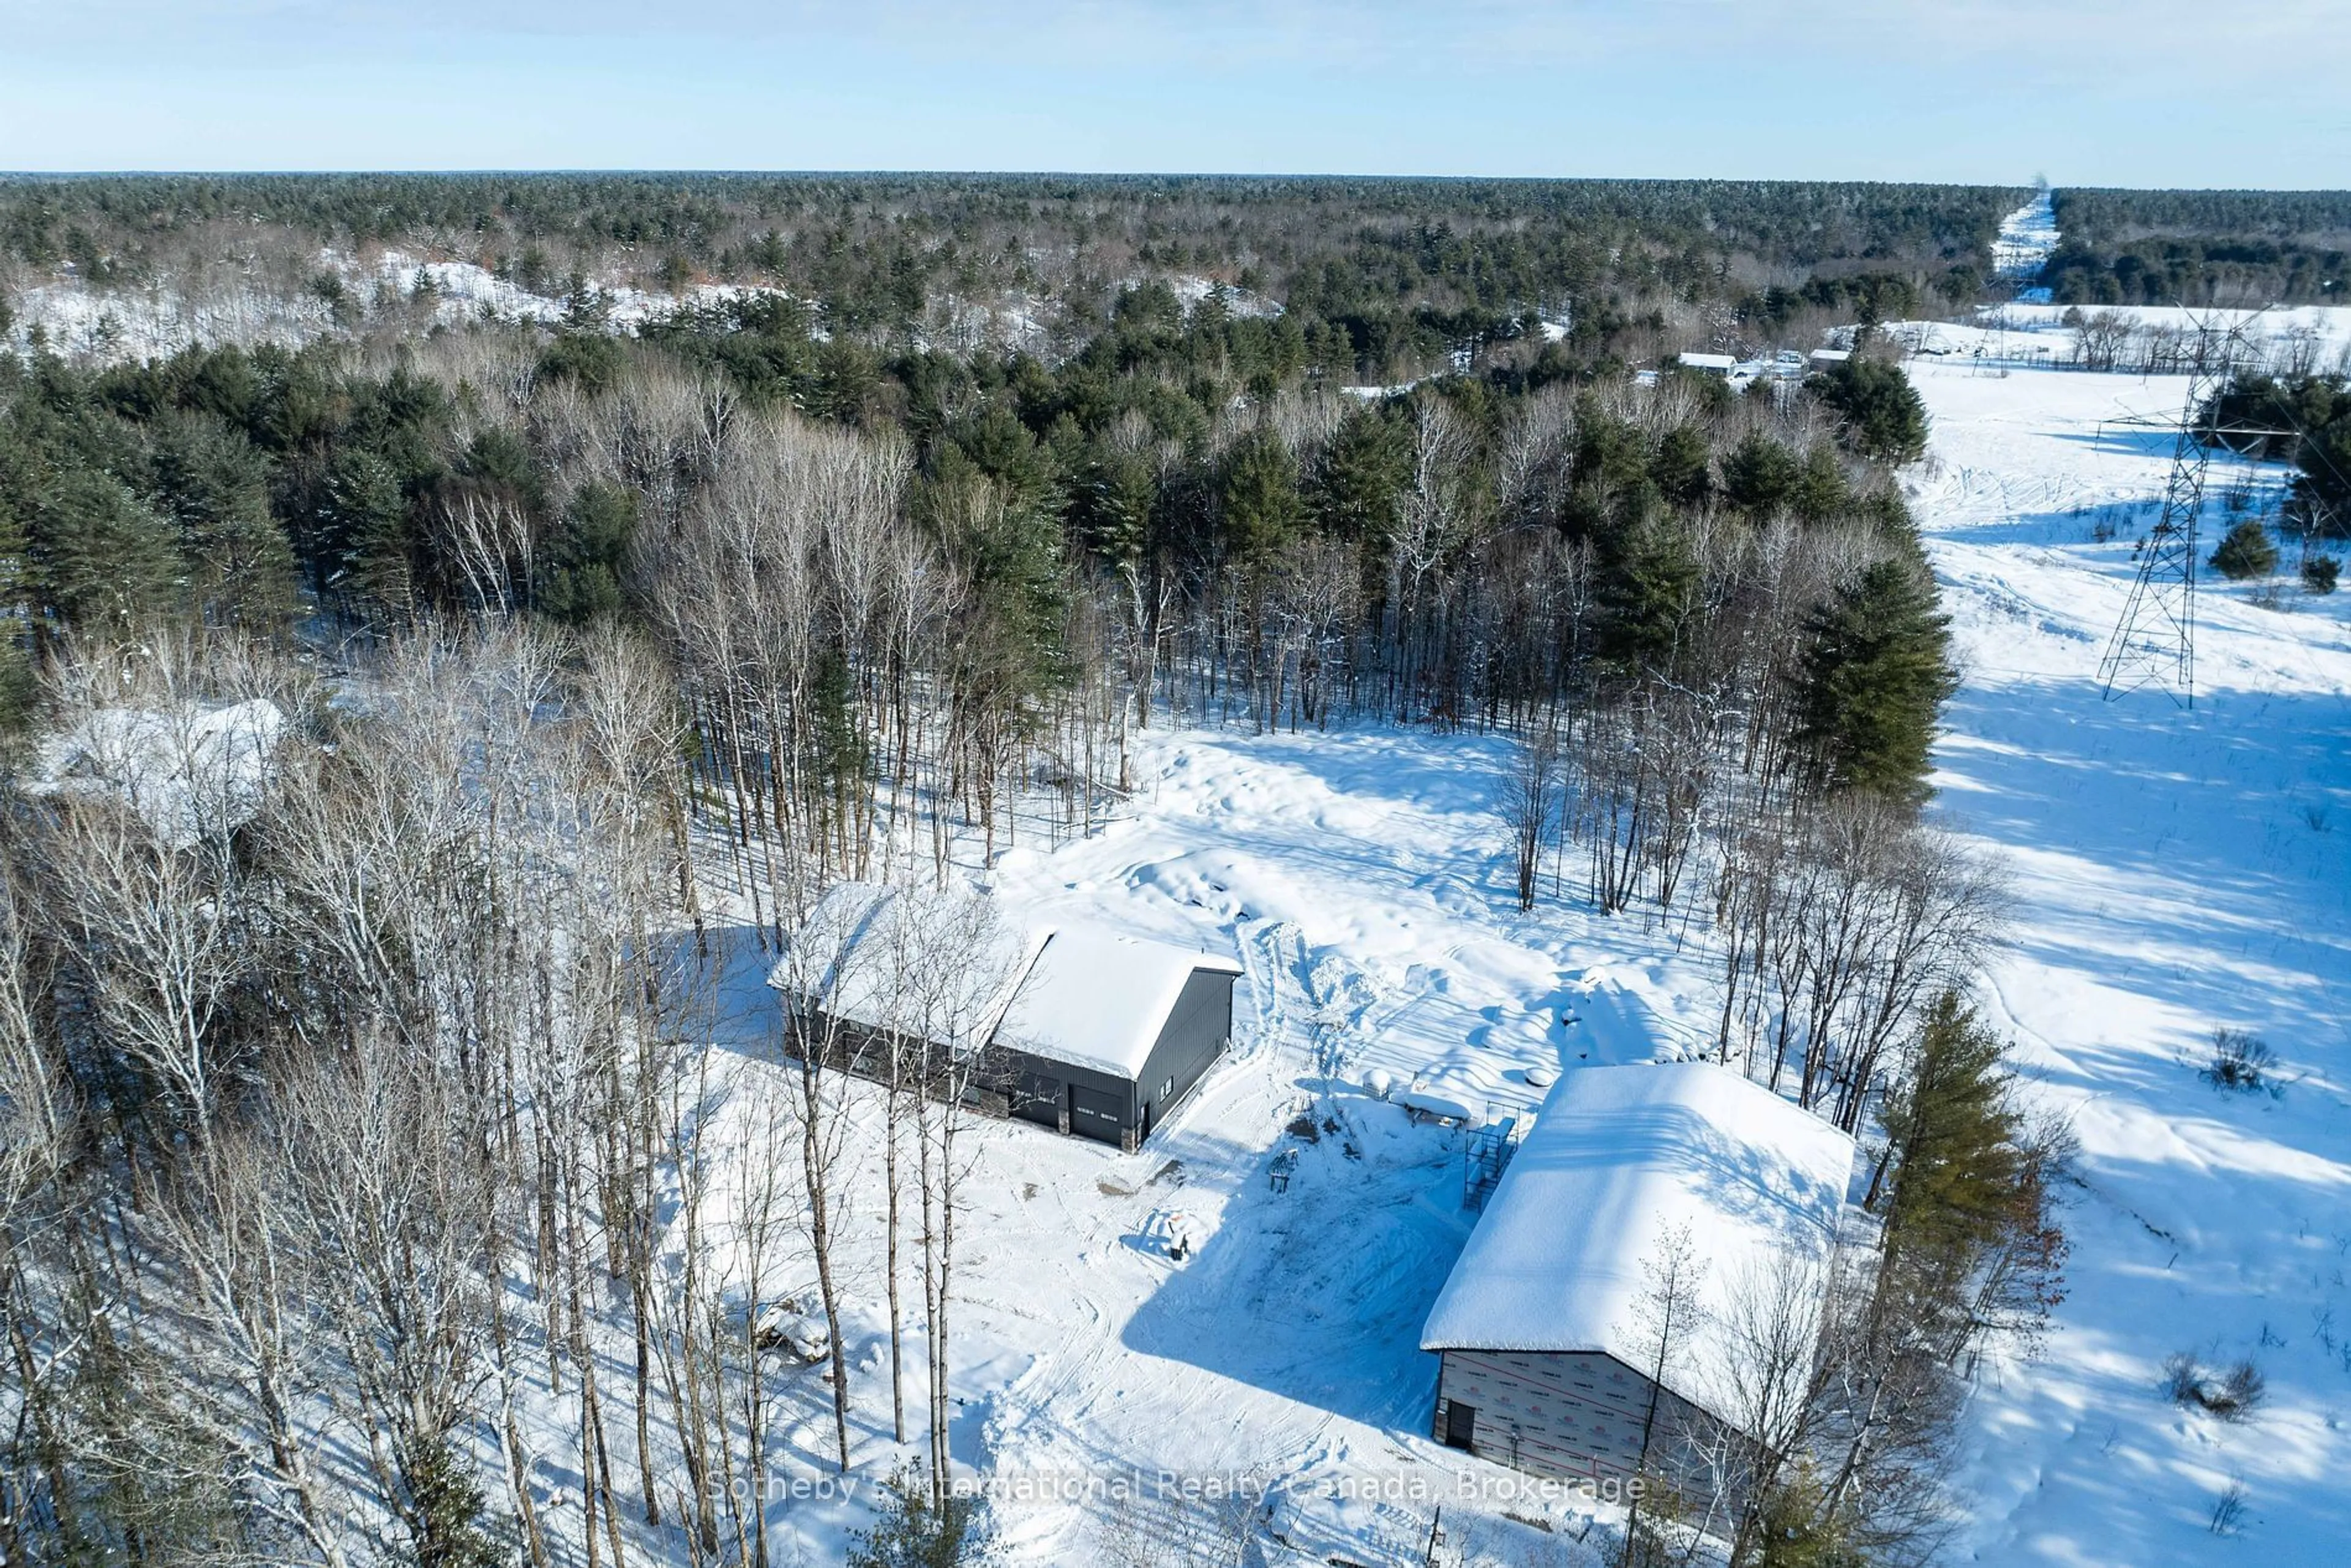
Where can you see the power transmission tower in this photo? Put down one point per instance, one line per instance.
(2155, 642)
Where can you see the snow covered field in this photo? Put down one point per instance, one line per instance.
(2285, 339)
(2176, 872)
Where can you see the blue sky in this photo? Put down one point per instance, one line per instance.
(2147, 92)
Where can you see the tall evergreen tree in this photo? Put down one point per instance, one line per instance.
(364, 536)
(1112, 504)
(1683, 467)
(1647, 591)
(1822, 492)
(1883, 416)
(1876, 672)
(215, 484)
(1964, 1182)
(102, 559)
(1364, 469)
(583, 583)
(1760, 475)
(15, 663)
(1263, 507)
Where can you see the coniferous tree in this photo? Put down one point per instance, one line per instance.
(102, 559)
(1967, 1213)
(1112, 505)
(1261, 505)
(1952, 1134)
(1649, 589)
(917, 1529)
(447, 1511)
(1364, 469)
(1822, 492)
(1010, 549)
(215, 484)
(1876, 672)
(2246, 552)
(1883, 416)
(591, 556)
(1760, 475)
(365, 534)
(15, 664)
(1683, 467)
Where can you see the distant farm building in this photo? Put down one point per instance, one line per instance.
(1077, 1027)
(1786, 365)
(1545, 1327)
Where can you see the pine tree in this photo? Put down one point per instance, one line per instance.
(2246, 552)
(1952, 1132)
(1797, 1529)
(1876, 672)
(1112, 505)
(102, 559)
(1883, 416)
(15, 662)
(1012, 554)
(1821, 493)
(1972, 1241)
(215, 484)
(365, 537)
(1683, 467)
(446, 1513)
(1647, 591)
(1364, 469)
(591, 553)
(1760, 475)
(1261, 505)
(915, 1530)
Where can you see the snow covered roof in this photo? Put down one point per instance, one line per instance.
(1098, 998)
(1084, 995)
(1621, 1157)
(193, 770)
(1711, 362)
(867, 954)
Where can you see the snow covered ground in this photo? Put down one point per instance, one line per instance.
(2288, 339)
(2178, 871)
(241, 306)
(2028, 238)
(226, 306)
(1363, 881)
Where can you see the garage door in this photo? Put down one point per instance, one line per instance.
(1038, 1098)
(1095, 1114)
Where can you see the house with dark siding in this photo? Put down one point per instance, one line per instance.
(1074, 1025)
(1546, 1329)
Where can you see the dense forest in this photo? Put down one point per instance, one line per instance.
(391, 717)
(1384, 278)
(2202, 247)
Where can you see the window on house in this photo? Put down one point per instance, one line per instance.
(1166, 1088)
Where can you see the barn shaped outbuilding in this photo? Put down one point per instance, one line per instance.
(1079, 1027)
(1546, 1326)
